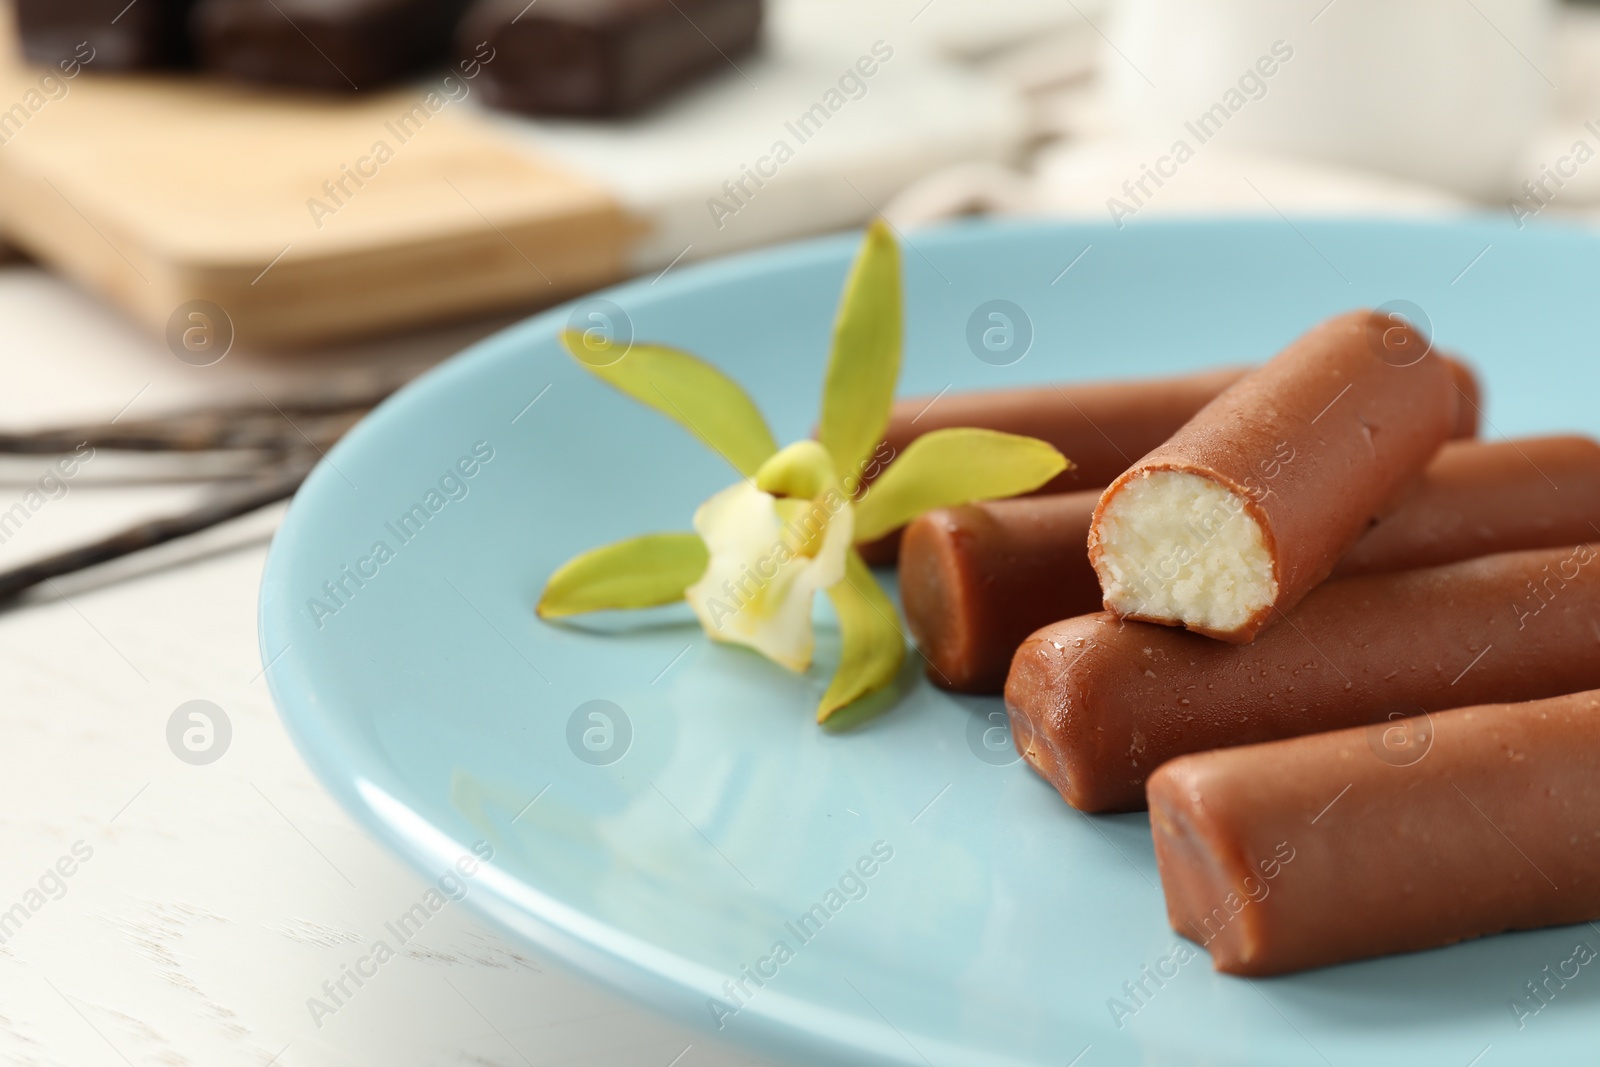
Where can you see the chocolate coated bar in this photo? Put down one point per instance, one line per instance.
(1249, 506)
(1369, 841)
(977, 580)
(1102, 427)
(1469, 398)
(1477, 498)
(322, 44)
(1098, 702)
(116, 34)
(604, 57)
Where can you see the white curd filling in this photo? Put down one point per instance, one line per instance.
(1181, 548)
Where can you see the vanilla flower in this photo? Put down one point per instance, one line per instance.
(764, 547)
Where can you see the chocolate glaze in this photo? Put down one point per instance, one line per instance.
(604, 57)
(343, 45)
(1368, 841)
(1102, 427)
(146, 35)
(1477, 498)
(977, 580)
(1469, 398)
(1097, 702)
(1314, 443)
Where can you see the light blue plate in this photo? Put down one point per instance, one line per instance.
(1002, 924)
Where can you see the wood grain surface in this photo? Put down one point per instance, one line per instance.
(306, 217)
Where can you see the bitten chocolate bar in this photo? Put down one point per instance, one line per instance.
(1284, 471)
(1097, 702)
(1102, 427)
(604, 57)
(1407, 835)
(977, 580)
(323, 44)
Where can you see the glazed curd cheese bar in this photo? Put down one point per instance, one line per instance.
(1102, 427)
(601, 58)
(1481, 497)
(1410, 835)
(1252, 502)
(976, 580)
(103, 34)
(343, 45)
(1098, 702)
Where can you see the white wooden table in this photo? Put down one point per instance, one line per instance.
(215, 900)
(219, 898)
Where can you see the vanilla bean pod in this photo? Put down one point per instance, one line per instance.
(279, 428)
(289, 433)
(276, 484)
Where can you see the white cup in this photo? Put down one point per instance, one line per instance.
(1440, 91)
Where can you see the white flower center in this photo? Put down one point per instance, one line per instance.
(769, 557)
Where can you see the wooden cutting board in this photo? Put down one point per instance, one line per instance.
(160, 190)
(309, 218)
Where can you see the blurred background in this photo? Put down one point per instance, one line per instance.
(230, 227)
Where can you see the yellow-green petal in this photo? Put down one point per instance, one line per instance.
(871, 644)
(641, 572)
(945, 468)
(865, 363)
(687, 390)
(802, 470)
